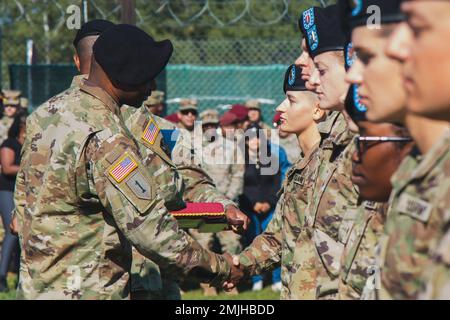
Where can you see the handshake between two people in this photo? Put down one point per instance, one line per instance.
(238, 222)
(237, 273)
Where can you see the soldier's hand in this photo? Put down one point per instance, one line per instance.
(236, 274)
(265, 207)
(237, 220)
(257, 207)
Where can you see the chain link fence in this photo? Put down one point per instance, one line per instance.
(225, 51)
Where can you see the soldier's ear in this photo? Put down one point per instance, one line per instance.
(76, 60)
(319, 115)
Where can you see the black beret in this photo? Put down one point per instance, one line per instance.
(355, 13)
(92, 28)
(293, 79)
(129, 56)
(355, 109)
(307, 19)
(323, 30)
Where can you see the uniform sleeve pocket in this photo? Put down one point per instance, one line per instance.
(329, 250)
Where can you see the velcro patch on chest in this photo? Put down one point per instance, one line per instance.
(414, 207)
(299, 179)
(123, 167)
(150, 132)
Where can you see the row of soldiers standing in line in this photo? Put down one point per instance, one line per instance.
(365, 213)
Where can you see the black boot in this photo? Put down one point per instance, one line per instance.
(3, 285)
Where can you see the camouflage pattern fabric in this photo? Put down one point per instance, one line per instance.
(279, 242)
(332, 207)
(90, 196)
(192, 184)
(416, 224)
(358, 260)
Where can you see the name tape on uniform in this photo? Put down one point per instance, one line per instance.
(414, 207)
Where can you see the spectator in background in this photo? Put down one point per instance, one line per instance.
(254, 113)
(155, 103)
(187, 114)
(173, 117)
(228, 124)
(12, 102)
(219, 162)
(259, 198)
(10, 162)
(288, 141)
(241, 113)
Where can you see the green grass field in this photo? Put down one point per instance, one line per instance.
(265, 294)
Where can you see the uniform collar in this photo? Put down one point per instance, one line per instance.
(77, 81)
(416, 166)
(304, 161)
(326, 125)
(101, 95)
(432, 158)
(339, 135)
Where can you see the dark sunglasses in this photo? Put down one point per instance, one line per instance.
(365, 143)
(186, 112)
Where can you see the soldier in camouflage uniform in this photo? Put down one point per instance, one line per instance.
(155, 103)
(371, 170)
(12, 102)
(417, 217)
(111, 190)
(278, 243)
(254, 113)
(438, 275)
(374, 162)
(332, 207)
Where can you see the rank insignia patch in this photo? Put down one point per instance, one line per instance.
(308, 18)
(313, 38)
(151, 132)
(123, 168)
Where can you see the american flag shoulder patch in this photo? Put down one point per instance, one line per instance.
(151, 132)
(123, 167)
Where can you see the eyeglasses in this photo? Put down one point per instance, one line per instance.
(186, 112)
(365, 143)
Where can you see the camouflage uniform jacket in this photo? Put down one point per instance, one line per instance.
(416, 222)
(358, 259)
(332, 207)
(88, 198)
(438, 276)
(279, 243)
